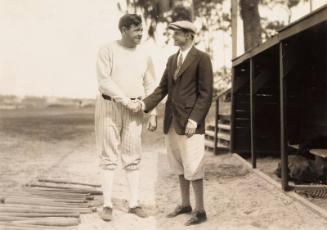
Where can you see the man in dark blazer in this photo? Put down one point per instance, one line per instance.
(188, 82)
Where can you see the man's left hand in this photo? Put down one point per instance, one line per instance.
(152, 123)
(190, 129)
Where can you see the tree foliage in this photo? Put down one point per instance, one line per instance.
(270, 27)
(211, 16)
(208, 14)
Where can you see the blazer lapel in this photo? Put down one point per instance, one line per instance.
(189, 59)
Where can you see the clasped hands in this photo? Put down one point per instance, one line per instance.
(136, 106)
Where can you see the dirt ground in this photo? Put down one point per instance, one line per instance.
(59, 143)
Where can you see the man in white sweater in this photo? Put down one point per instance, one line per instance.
(125, 74)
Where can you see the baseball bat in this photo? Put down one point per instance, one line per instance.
(40, 214)
(15, 226)
(43, 199)
(39, 208)
(49, 193)
(68, 188)
(40, 202)
(58, 193)
(6, 218)
(50, 221)
(58, 181)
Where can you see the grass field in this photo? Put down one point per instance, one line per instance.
(54, 124)
(35, 140)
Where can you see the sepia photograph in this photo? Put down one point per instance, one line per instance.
(163, 114)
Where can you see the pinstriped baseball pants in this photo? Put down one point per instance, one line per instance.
(118, 135)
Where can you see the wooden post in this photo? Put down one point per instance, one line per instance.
(216, 126)
(283, 147)
(252, 115)
(232, 111)
(234, 28)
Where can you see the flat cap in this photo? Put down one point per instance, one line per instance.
(182, 25)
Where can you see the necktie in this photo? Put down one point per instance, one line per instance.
(179, 65)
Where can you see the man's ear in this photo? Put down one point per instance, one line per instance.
(189, 35)
(123, 29)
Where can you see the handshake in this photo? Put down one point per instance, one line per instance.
(135, 105)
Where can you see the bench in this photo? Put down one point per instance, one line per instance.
(317, 152)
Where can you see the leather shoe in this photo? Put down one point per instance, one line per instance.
(106, 214)
(138, 211)
(197, 218)
(180, 210)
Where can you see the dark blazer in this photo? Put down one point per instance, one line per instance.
(190, 96)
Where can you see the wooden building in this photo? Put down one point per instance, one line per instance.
(279, 92)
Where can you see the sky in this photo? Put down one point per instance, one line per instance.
(49, 47)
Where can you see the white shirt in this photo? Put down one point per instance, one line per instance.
(184, 53)
(124, 73)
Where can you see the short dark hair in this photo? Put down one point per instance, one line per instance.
(129, 19)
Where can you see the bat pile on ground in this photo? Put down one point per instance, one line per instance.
(50, 204)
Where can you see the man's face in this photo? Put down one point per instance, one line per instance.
(180, 37)
(134, 34)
